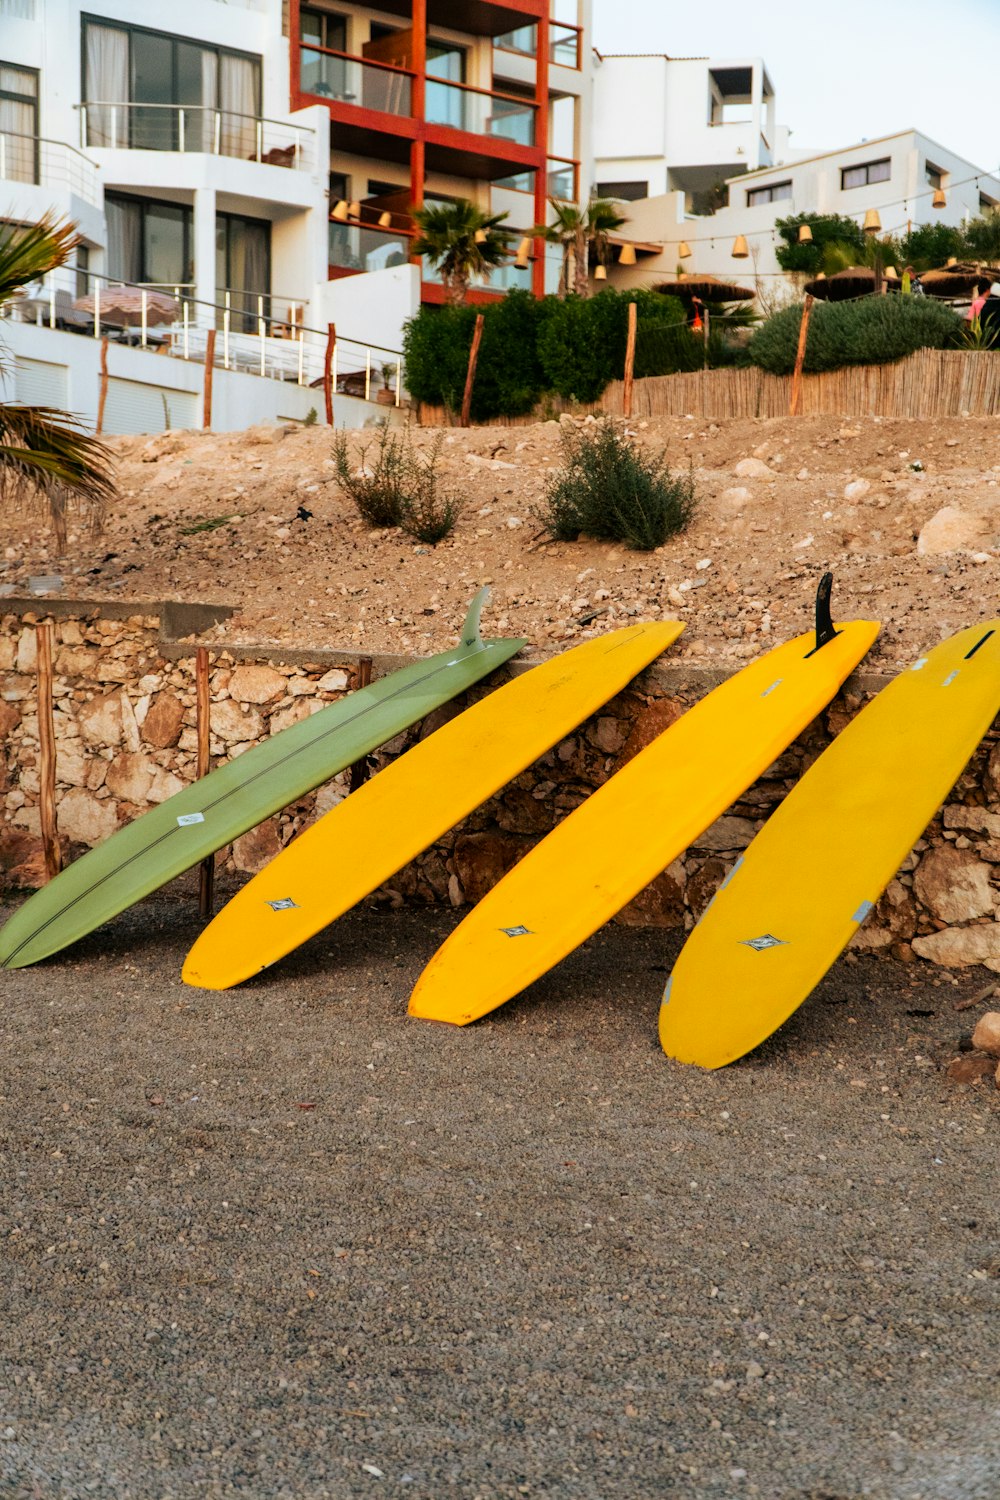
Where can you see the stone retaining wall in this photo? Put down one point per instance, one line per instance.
(125, 738)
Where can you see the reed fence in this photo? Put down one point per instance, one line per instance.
(931, 383)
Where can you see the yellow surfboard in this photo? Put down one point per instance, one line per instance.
(631, 828)
(822, 860)
(383, 825)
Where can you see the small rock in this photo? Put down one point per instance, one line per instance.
(950, 529)
(954, 885)
(255, 684)
(856, 489)
(986, 1036)
(969, 1068)
(957, 947)
(753, 468)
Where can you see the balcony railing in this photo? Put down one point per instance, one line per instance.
(34, 159)
(360, 247)
(350, 80)
(197, 129)
(479, 112)
(564, 43)
(251, 336)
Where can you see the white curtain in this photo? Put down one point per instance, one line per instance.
(209, 100)
(239, 79)
(107, 85)
(17, 126)
(124, 240)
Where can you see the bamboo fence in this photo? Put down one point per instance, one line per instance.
(931, 383)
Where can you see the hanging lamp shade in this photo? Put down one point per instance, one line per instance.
(805, 234)
(523, 251)
(872, 223)
(683, 250)
(600, 273)
(481, 236)
(940, 199)
(890, 273)
(385, 220)
(340, 210)
(952, 260)
(354, 209)
(627, 256)
(740, 251)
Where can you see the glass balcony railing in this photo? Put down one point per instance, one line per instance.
(194, 128)
(564, 43)
(349, 80)
(356, 247)
(480, 113)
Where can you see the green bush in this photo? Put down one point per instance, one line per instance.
(871, 331)
(826, 229)
(581, 345)
(391, 485)
(611, 490)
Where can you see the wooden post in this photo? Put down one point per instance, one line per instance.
(103, 391)
(358, 774)
(800, 356)
(707, 321)
(47, 754)
(206, 871)
(206, 414)
(331, 344)
(633, 312)
(470, 375)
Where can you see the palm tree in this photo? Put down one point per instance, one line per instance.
(461, 242)
(44, 453)
(576, 230)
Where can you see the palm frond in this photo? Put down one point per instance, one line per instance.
(46, 453)
(29, 251)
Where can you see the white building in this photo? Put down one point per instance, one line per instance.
(897, 175)
(680, 124)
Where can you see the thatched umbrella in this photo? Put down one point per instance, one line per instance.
(121, 306)
(958, 280)
(706, 289)
(855, 281)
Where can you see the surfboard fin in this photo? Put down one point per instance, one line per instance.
(470, 630)
(824, 619)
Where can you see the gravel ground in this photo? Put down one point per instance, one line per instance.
(285, 1242)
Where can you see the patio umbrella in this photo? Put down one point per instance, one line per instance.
(855, 281)
(955, 281)
(122, 306)
(707, 289)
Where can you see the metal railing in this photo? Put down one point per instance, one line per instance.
(564, 43)
(35, 159)
(277, 348)
(352, 80)
(194, 128)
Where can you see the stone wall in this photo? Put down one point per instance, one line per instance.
(125, 738)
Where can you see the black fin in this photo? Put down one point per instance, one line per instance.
(824, 620)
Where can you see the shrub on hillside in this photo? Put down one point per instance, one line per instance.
(391, 485)
(611, 490)
(581, 343)
(871, 331)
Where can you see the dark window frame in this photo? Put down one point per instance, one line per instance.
(766, 194)
(113, 196)
(866, 167)
(27, 99)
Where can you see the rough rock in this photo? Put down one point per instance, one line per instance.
(954, 885)
(856, 489)
(296, 711)
(333, 682)
(130, 776)
(970, 1069)
(257, 684)
(893, 921)
(972, 820)
(986, 1036)
(84, 819)
(725, 834)
(27, 650)
(704, 883)
(950, 529)
(735, 498)
(10, 717)
(22, 860)
(661, 904)
(164, 720)
(753, 468)
(481, 859)
(256, 848)
(231, 725)
(649, 725)
(607, 736)
(957, 947)
(100, 720)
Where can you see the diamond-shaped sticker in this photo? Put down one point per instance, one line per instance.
(758, 944)
(517, 931)
(284, 904)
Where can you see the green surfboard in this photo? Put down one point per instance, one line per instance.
(210, 813)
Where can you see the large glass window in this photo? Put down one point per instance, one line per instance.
(323, 75)
(243, 268)
(148, 241)
(445, 106)
(18, 123)
(156, 92)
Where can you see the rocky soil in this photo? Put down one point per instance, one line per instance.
(906, 513)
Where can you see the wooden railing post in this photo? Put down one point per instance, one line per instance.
(331, 344)
(633, 313)
(47, 754)
(470, 374)
(103, 390)
(206, 871)
(800, 356)
(206, 414)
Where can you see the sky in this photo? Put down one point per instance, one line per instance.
(839, 79)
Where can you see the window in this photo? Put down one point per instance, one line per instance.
(775, 192)
(243, 268)
(869, 171)
(444, 105)
(987, 204)
(19, 122)
(148, 241)
(628, 192)
(523, 40)
(319, 28)
(154, 92)
(935, 176)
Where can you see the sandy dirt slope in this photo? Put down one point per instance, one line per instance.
(855, 496)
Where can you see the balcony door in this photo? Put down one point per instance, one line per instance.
(243, 269)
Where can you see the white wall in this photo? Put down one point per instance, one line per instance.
(371, 308)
